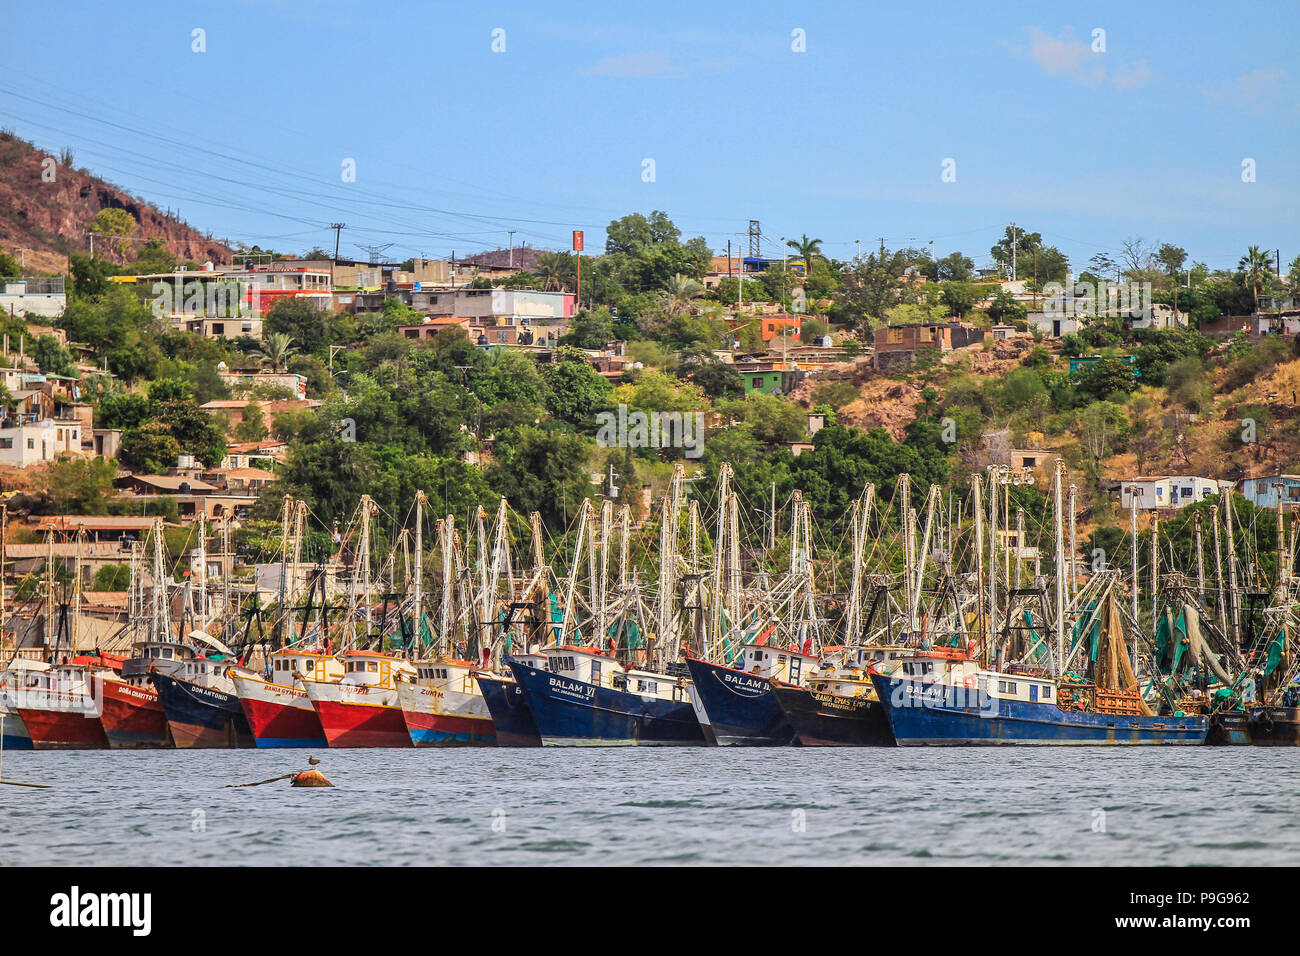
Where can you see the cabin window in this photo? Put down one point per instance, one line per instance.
(311, 665)
(372, 666)
(440, 672)
(1046, 693)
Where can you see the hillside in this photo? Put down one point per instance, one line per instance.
(51, 219)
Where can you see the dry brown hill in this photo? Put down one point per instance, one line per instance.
(49, 219)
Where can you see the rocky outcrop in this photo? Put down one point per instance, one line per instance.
(46, 209)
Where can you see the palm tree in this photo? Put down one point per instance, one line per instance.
(1256, 266)
(276, 349)
(680, 291)
(808, 249)
(556, 270)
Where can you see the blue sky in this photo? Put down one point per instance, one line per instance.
(455, 144)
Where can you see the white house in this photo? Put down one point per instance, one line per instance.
(40, 296)
(1054, 324)
(1168, 491)
(30, 443)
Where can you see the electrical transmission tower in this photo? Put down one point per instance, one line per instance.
(375, 251)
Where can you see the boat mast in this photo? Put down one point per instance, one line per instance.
(1133, 557)
(1283, 573)
(417, 598)
(1232, 568)
(1020, 538)
(1200, 560)
(1218, 572)
(993, 553)
(720, 547)
(1074, 543)
(574, 564)
(1155, 570)
(852, 618)
(287, 510)
(977, 508)
(905, 526)
(4, 531)
(447, 542)
(76, 590)
(931, 502)
(203, 570)
(226, 564)
(161, 624)
(602, 593)
(1060, 572)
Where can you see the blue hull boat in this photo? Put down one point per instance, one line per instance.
(570, 712)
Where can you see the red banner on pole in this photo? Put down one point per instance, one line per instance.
(577, 240)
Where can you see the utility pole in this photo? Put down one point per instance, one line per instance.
(337, 226)
(1013, 250)
(859, 244)
(512, 248)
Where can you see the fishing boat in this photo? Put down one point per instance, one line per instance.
(512, 720)
(362, 708)
(12, 680)
(199, 699)
(443, 706)
(837, 706)
(61, 706)
(279, 712)
(133, 716)
(737, 706)
(585, 698)
(949, 699)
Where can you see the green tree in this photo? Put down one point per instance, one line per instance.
(276, 349)
(80, 486)
(634, 234)
(680, 291)
(1106, 377)
(544, 471)
(252, 424)
(1256, 267)
(112, 577)
(575, 390)
(809, 250)
(114, 228)
(959, 297)
(302, 321)
(51, 357)
(154, 257)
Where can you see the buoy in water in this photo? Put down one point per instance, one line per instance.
(310, 778)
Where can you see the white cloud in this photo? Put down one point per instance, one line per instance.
(1259, 89)
(1130, 76)
(1065, 56)
(655, 63)
(1074, 59)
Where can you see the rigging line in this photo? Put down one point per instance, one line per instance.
(483, 218)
